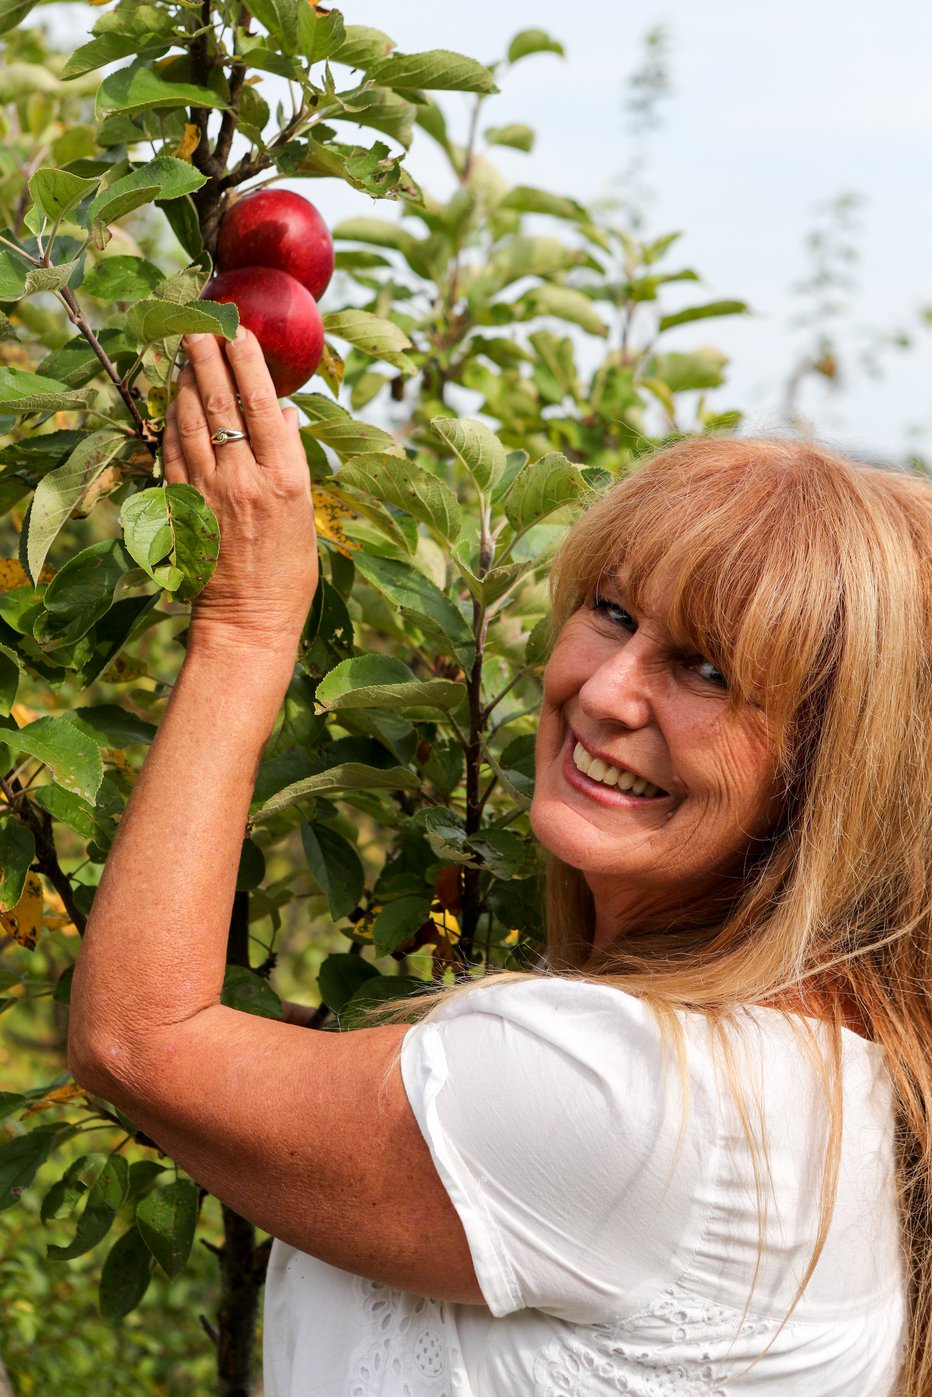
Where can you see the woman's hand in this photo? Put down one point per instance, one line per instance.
(259, 488)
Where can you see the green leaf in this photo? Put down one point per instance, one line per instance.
(251, 869)
(248, 992)
(524, 199)
(525, 255)
(515, 135)
(107, 48)
(319, 34)
(333, 426)
(376, 232)
(378, 990)
(349, 776)
(399, 482)
(565, 304)
(382, 110)
(125, 1277)
(540, 488)
(21, 391)
(532, 41)
(706, 312)
(20, 1158)
(421, 602)
(138, 89)
(703, 368)
(72, 757)
(59, 492)
(384, 682)
(121, 279)
(9, 683)
(166, 1220)
(398, 921)
(173, 522)
(169, 177)
(363, 47)
(55, 192)
(446, 835)
(435, 70)
(49, 278)
(79, 815)
(336, 867)
(153, 319)
(381, 339)
(81, 592)
(341, 975)
(112, 726)
(12, 276)
(475, 445)
(17, 853)
(12, 12)
(104, 1197)
(181, 216)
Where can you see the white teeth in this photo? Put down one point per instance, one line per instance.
(599, 770)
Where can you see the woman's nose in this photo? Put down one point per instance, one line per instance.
(622, 688)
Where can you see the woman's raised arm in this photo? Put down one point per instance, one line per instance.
(309, 1135)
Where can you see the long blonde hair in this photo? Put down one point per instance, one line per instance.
(807, 579)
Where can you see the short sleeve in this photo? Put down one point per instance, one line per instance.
(555, 1120)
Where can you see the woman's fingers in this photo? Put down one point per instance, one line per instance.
(264, 418)
(174, 465)
(206, 403)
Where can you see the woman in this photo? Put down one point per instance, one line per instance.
(694, 1160)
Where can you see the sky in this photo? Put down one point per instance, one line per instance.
(774, 111)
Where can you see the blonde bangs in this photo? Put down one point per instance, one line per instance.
(751, 542)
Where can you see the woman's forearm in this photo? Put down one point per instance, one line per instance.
(155, 946)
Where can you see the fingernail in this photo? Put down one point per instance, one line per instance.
(240, 335)
(194, 339)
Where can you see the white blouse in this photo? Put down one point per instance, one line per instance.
(615, 1253)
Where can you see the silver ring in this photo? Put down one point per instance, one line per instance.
(224, 434)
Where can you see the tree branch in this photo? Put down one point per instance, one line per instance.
(40, 823)
(77, 317)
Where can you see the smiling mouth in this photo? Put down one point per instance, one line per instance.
(613, 776)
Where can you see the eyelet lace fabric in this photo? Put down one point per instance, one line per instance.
(679, 1346)
(409, 1349)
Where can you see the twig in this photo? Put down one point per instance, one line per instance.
(40, 823)
(77, 317)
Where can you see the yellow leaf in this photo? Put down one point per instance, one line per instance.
(123, 669)
(24, 921)
(188, 143)
(329, 515)
(59, 1097)
(12, 574)
(54, 916)
(116, 757)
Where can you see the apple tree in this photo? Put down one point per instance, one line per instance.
(491, 359)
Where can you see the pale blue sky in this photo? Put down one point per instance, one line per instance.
(774, 109)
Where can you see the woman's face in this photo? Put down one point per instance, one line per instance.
(619, 693)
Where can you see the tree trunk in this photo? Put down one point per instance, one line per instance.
(242, 1264)
(5, 1388)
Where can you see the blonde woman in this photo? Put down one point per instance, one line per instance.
(693, 1157)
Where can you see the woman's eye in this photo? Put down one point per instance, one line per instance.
(613, 611)
(706, 670)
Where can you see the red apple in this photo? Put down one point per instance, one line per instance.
(282, 315)
(275, 228)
